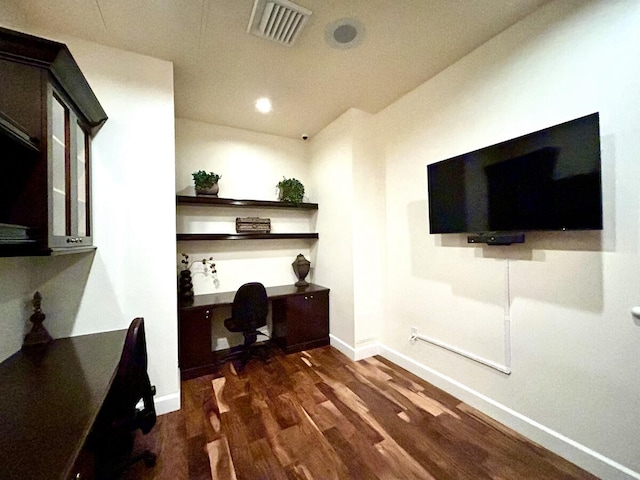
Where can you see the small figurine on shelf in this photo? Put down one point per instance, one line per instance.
(38, 338)
(185, 283)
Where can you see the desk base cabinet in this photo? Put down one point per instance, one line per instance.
(301, 322)
(194, 343)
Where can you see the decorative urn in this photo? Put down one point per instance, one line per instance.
(301, 268)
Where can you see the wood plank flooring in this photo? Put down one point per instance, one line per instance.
(318, 415)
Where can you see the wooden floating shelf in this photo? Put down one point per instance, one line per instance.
(231, 202)
(244, 236)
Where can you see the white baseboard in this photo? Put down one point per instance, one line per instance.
(573, 451)
(167, 403)
(366, 350)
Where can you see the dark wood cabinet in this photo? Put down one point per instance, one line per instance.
(300, 318)
(301, 321)
(194, 342)
(48, 115)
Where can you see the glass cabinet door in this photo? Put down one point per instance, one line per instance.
(59, 145)
(69, 164)
(83, 221)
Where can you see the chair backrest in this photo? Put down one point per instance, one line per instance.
(131, 382)
(250, 306)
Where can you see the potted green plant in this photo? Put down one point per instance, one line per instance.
(291, 190)
(206, 183)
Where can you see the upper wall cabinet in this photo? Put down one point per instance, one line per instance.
(48, 116)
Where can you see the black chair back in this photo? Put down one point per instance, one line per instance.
(131, 383)
(250, 306)
(122, 412)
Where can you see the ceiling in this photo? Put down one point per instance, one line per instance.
(220, 69)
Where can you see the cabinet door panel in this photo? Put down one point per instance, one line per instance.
(301, 321)
(59, 153)
(318, 315)
(69, 162)
(21, 95)
(297, 315)
(193, 327)
(82, 218)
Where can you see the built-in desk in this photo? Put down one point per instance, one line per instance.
(49, 401)
(300, 317)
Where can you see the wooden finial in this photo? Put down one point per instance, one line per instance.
(38, 337)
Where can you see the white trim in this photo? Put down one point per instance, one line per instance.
(343, 347)
(367, 350)
(167, 403)
(573, 451)
(358, 353)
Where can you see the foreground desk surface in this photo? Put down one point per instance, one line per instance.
(49, 401)
(300, 317)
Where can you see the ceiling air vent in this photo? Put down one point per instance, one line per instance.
(279, 20)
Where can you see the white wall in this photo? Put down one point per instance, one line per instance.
(132, 272)
(348, 169)
(368, 231)
(575, 345)
(332, 172)
(251, 165)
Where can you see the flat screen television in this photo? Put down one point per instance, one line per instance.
(545, 180)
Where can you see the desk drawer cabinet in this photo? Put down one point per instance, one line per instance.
(301, 321)
(194, 342)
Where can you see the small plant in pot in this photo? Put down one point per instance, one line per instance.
(206, 183)
(291, 190)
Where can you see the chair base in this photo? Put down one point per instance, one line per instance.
(112, 459)
(241, 355)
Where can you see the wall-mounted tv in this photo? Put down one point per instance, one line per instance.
(545, 180)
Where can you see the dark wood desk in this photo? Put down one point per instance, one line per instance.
(49, 401)
(300, 318)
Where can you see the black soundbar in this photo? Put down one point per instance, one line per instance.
(494, 238)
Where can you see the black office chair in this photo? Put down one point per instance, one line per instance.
(129, 406)
(248, 313)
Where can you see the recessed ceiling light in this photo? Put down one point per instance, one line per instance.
(263, 105)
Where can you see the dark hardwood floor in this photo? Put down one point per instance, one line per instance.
(318, 415)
